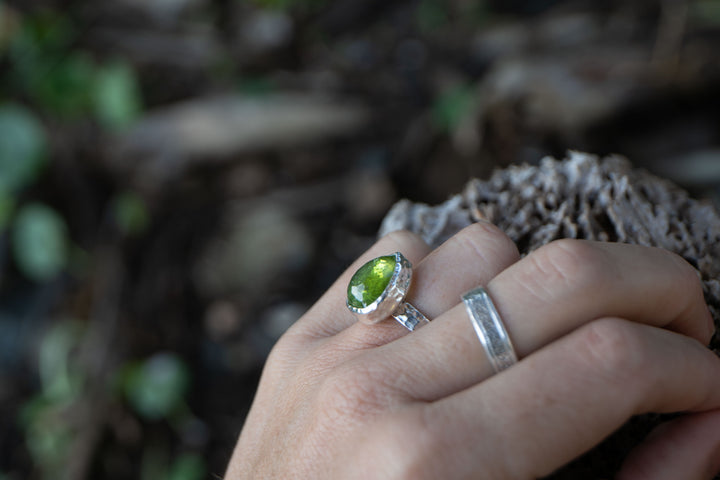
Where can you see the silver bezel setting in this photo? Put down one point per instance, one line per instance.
(392, 297)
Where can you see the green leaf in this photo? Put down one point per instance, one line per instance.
(22, 147)
(452, 106)
(187, 467)
(156, 388)
(117, 96)
(49, 439)
(131, 213)
(62, 86)
(40, 243)
(61, 381)
(48, 435)
(47, 70)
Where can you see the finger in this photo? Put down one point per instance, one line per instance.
(571, 279)
(564, 399)
(472, 256)
(330, 315)
(545, 296)
(687, 447)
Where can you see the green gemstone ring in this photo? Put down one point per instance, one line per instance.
(378, 289)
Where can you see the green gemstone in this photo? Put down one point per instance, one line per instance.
(370, 280)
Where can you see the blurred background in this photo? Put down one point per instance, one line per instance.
(181, 179)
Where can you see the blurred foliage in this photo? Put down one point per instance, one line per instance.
(67, 82)
(40, 243)
(452, 106)
(116, 95)
(60, 378)
(156, 387)
(131, 213)
(187, 467)
(157, 466)
(48, 431)
(23, 147)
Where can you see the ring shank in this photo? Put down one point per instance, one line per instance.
(490, 329)
(409, 316)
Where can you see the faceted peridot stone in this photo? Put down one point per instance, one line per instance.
(370, 280)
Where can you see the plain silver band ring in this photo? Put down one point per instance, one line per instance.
(490, 329)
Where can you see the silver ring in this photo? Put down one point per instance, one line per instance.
(378, 289)
(490, 329)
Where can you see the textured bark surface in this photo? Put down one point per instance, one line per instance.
(589, 198)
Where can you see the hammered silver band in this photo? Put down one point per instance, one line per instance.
(489, 329)
(409, 316)
(391, 303)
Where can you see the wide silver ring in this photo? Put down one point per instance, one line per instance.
(490, 329)
(396, 271)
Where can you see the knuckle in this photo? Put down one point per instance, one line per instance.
(614, 349)
(575, 263)
(406, 441)
(284, 353)
(403, 238)
(686, 274)
(489, 243)
(352, 392)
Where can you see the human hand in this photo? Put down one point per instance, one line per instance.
(603, 332)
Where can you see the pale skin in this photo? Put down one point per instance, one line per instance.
(603, 332)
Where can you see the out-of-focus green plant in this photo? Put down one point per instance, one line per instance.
(130, 213)
(187, 467)
(452, 106)
(39, 240)
(60, 379)
(23, 147)
(156, 388)
(44, 67)
(48, 431)
(66, 82)
(156, 465)
(22, 155)
(39, 234)
(116, 95)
